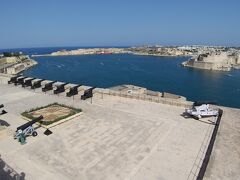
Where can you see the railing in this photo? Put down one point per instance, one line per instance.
(199, 159)
(175, 102)
(210, 147)
(201, 162)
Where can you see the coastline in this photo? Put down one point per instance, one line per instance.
(158, 55)
(100, 51)
(134, 53)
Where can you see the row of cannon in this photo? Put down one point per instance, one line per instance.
(47, 85)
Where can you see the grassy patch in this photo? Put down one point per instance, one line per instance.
(73, 111)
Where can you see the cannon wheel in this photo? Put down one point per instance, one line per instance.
(34, 133)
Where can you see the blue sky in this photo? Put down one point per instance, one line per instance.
(50, 23)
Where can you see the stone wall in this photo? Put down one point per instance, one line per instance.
(15, 68)
(181, 101)
(221, 61)
(223, 66)
(4, 78)
(8, 60)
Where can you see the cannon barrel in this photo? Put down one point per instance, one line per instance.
(37, 84)
(27, 82)
(48, 86)
(73, 91)
(87, 93)
(74, 88)
(30, 123)
(59, 88)
(13, 79)
(20, 80)
(89, 90)
(38, 81)
(50, 83)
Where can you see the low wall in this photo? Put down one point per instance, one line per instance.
(207, 65)
(173, 96)
(201, 65)
(181, 102)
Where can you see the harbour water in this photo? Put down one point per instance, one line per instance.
(163, 74)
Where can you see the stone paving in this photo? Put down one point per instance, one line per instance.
(115, 138)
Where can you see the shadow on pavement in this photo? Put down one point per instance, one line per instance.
(7, 173)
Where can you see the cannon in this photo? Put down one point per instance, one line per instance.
(2, 111)
(73, 91)
(13, 79)
(37, 83)
(48, 86)
(26, 129)
(87, 93)
(4, 123)
(27, 82)
(20, 80)
(59, 88)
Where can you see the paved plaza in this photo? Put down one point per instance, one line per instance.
(114, 138)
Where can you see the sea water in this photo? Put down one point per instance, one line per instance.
(164, 74)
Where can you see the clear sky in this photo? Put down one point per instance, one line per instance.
(49, 23)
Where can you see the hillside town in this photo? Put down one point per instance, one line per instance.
(202, 57)
(162, 51)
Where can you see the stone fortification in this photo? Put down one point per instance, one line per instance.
(15, 64)
(220, 61)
